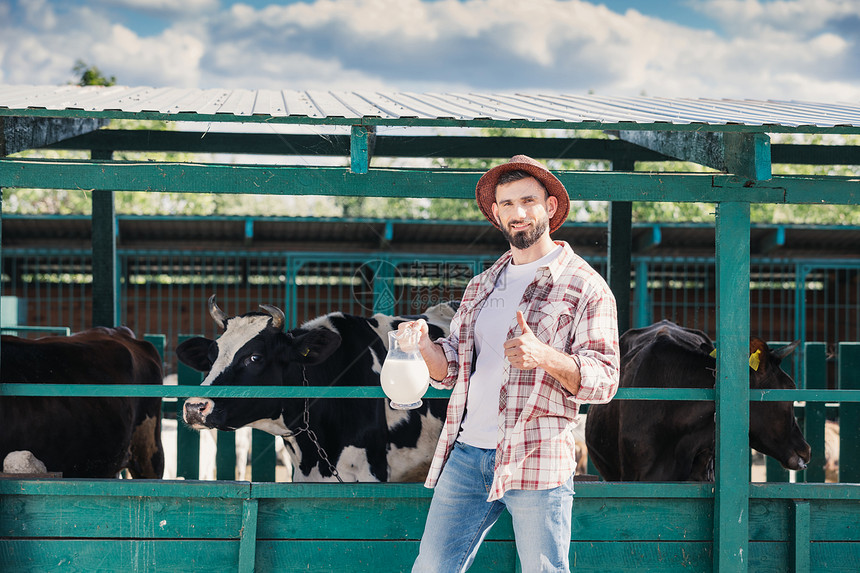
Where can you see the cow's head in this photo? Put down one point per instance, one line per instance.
(773, 427)
(254, 350)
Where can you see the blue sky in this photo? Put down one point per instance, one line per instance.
(767, 49)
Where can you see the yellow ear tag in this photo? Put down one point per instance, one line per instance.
(713, 353)
(306, 352)
(755, 359)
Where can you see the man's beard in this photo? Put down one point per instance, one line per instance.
(524, 239)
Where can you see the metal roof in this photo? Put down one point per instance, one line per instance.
(393, 108)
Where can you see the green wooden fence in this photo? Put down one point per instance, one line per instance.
(239, 526)
(54, 525)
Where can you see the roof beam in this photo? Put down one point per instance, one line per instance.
(339, 145)
(746, 155)
(21, 133)
(615, 150)
(801, 154)
(281, 180)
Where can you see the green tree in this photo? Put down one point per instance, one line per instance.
(91, 75)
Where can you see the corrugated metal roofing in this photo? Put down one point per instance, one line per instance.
(394, 107)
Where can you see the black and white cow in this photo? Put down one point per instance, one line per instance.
(363, 438)
(84, 437)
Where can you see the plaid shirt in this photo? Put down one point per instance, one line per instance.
(568, 306)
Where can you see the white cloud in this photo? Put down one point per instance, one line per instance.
(801, 49)
(47, 53)
(234, 65)
(171, 58)
(794, 16)
(39, 15)
(542, 45)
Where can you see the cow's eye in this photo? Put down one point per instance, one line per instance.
(253, 358)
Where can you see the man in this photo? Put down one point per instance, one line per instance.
(534, 337)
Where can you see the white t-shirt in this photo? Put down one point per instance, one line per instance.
(498, 315)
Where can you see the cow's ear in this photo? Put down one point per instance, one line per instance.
(194, 352)
(758, 350)
(314, 346)
(758, 344)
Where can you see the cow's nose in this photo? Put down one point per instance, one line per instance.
(195, 410)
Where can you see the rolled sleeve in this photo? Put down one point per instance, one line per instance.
(597, 351)
(450, 349)
(598, 384)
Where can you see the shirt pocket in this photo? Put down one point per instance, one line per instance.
(554, 324)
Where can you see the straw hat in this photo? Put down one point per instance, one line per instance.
(485, 192)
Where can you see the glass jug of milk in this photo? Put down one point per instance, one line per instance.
(404, 375)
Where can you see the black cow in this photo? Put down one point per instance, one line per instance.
(84, 437)
(362, 438)
(674, 441)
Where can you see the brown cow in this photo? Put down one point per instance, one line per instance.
(84, 437)
(633, 440)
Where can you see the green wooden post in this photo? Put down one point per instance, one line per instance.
(731, 494)
(187, 440)
(816, 412)
(104, 254)
(361, 142)
(159, 341)
(801, 537)
(773, 469)
(248, 536)
(849, 414)
(620, 247)
(262, 456)
(620, 220)
(291, 305)
(225, 456)
(774, 472)
(643, 305)
(801, 273)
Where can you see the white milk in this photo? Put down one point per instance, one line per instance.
(404, 381)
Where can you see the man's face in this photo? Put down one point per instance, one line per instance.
(523, 211)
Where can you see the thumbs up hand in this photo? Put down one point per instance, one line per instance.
(525, 351)
(524, 326)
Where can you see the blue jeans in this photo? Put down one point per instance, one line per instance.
(460, 517)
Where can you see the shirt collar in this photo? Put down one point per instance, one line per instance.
(555, 267)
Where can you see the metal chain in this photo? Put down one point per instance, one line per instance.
(306, 421)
